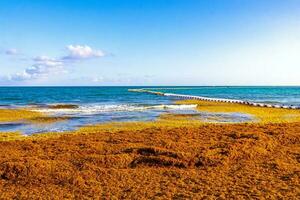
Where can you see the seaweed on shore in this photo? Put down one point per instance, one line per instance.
(192, 161)
(262, 114)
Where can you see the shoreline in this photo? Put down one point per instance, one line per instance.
(259, 115)
(173, 157)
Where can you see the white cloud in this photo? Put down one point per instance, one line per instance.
(46, 61)
(44, 67)
(78, 52)
(11, 52)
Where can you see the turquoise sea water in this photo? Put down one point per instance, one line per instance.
(105, 104)
(272, 95)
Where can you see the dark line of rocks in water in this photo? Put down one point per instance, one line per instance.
(215, 99)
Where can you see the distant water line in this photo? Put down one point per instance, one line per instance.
(183, 96)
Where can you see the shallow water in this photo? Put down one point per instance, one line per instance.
(107, 104)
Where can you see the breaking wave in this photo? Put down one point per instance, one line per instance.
(95, 109)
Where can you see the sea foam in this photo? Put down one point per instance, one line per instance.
(95, 109)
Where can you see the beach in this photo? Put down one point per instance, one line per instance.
(131, 99)
(176, 156)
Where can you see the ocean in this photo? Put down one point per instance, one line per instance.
(107, 104)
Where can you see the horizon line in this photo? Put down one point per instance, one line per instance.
(149, 85)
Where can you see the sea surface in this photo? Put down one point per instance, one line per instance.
(107, 104)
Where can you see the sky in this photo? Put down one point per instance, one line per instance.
(149, 42)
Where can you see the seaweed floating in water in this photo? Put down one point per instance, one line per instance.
(63, 106)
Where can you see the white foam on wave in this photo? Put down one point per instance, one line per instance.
(94, 109)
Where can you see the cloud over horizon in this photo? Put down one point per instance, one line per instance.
(44, 66)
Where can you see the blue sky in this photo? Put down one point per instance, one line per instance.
(149, 42)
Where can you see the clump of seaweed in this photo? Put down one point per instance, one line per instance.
(11, 136)
(27, 116)
(11, 115)
(48, 119)
(63, 106)
(153, 161)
